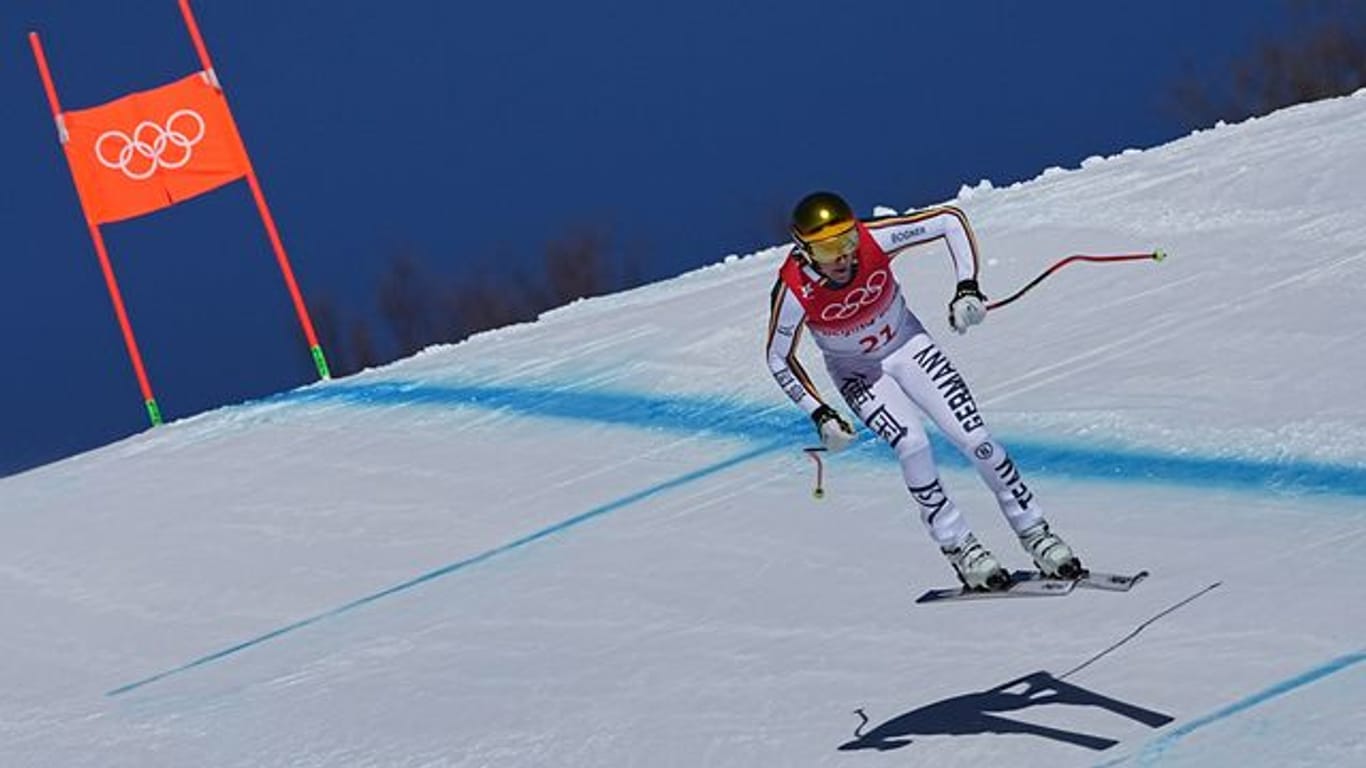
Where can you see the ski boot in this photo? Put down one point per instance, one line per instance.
(977, 568)
(1050, 553)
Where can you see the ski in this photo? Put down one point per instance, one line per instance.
(1017, 588)
(1109, 582)
(1035, 584)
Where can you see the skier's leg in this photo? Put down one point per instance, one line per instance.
(882, 405)
(934, 384)
(884, 408)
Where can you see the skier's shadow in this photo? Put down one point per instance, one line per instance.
(973, 713)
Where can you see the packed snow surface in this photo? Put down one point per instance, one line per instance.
(591, 540)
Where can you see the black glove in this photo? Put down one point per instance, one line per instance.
(835, 432)
(968, 307)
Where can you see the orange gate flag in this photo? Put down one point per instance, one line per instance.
(152, 149)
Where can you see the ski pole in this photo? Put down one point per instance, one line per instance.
(1154, 256)
(815, 453)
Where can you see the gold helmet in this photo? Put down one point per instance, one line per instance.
(824, 226)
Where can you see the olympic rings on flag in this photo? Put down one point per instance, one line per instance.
(150, 142)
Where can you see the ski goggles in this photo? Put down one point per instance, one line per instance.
(831, 249)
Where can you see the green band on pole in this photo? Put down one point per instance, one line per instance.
(319, 360)
(154, 412)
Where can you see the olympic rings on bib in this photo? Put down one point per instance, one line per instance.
(863, 296)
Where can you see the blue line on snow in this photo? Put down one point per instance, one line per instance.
(1152, 753)
(732, 418)
(560, 527)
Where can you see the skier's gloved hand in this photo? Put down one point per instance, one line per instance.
(835, 432)
(968, 308)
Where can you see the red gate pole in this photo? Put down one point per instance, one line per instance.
(281, 258)
(129, 340)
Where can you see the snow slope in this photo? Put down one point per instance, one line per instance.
(591, 540)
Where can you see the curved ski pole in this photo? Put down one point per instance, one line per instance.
(814, 453)
(1157, 255)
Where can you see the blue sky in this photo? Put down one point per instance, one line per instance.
(473, 134)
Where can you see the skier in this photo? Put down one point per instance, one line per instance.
(837, 281)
